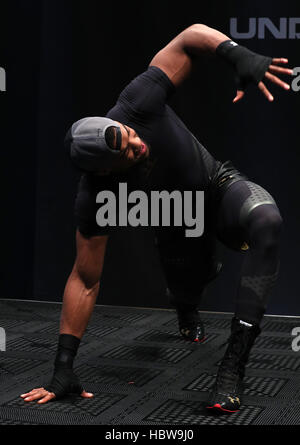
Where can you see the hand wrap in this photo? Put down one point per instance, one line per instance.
(64, 380)
(249, 66)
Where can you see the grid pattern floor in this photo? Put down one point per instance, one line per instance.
(141, 371)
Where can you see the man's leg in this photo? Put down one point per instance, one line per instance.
(189, 265)
(248, 219)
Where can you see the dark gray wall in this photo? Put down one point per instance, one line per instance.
(66, 60)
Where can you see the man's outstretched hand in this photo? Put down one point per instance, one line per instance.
(41, 395)
(270, 75)
(64, 382)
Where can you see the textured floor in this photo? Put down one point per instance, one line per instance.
(141, 371)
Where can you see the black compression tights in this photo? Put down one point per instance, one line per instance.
(249, 214)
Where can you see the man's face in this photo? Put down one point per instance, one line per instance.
(133, 149)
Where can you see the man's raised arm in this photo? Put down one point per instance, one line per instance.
(176, 59)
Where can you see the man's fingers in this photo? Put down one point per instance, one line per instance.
(279, 69)
(87, 395)
(47, 398)
(265, 91)
(239, 95)
(37, 394)
(34, 397)
(280, 60)
(276, 80)
(34, 391)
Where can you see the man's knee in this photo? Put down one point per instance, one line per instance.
(265, 227)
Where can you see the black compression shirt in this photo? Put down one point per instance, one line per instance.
(177, 160)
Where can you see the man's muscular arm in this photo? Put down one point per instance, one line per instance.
(176, 59)
(80, 295)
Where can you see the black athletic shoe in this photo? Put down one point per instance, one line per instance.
(190, 324)
(227, 392)
(228, 389)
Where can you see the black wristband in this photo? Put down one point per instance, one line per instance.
(67, 349)
(225, 48)
(249, 66)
